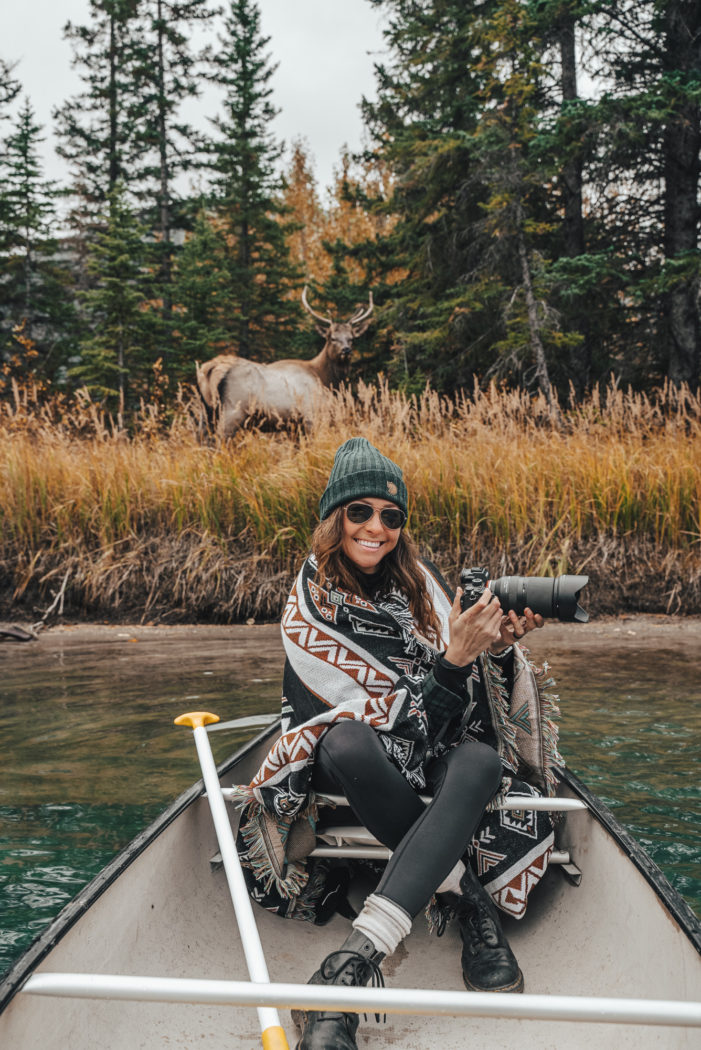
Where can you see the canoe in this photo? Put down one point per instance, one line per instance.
(605, 936)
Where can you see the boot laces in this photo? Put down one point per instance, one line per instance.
(483, 928)
(354, 969)
(360, 969)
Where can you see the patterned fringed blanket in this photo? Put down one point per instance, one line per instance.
(348, 657)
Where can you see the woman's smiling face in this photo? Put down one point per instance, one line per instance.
(366, 544)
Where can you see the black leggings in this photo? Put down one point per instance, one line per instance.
(427, 841)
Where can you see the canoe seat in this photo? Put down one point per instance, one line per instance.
(352, 840)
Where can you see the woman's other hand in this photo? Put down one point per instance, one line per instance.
(473, 631)
(513, 627)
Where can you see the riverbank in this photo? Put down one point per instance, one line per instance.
(674, 634)
(153, 526)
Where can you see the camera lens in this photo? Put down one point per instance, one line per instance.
(551, 596)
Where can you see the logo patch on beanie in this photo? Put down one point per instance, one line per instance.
(392, 488)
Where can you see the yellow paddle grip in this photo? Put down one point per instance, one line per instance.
(196, 719)
(274, 1039)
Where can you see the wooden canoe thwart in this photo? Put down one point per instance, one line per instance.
(149, 954)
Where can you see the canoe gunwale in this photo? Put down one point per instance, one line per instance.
(672, 900)
(45, 941)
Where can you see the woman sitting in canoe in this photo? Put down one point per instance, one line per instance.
(390, 691)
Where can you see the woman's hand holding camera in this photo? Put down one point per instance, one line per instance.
(484, 626)
(473, 631)
(513, 627)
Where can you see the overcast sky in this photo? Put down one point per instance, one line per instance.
(325, 50)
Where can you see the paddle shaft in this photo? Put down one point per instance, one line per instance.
(273, 1035)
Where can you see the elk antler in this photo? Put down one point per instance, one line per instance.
(315, 315)
(363, 312)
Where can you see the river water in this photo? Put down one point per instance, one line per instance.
(90, 754)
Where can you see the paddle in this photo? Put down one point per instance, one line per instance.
(272, 1034)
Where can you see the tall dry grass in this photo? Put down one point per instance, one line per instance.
(156, 524)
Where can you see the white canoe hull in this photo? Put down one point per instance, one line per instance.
(159, 910)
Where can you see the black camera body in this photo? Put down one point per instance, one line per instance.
(474, 583)
(552, 596)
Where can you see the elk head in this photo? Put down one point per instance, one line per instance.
(339, 335)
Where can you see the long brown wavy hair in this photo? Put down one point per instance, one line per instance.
(399, 568)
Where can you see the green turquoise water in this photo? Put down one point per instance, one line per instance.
(90, 754)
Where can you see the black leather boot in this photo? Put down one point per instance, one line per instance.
(488, 964)
(355, 962)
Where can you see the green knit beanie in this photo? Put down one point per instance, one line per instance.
(360, 470)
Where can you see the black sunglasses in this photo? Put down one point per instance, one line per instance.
(391, 517)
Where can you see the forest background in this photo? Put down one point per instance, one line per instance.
(532, 250)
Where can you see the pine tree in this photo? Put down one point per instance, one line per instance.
(95, 130)
(490, 149)
(9, 90)
(438, 323)
(567, 133)
(515, 165)
(200, 287)
(645, 176)
(256, 308)
(115, 364)
(166, 74)
(680, 22)
(35, 304)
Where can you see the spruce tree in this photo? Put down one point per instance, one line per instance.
(436, 324)
(490, 147)
(37, 311)
(9, 90)
(95, 129)
(167, 72)
(516, 166)
(200, 286)
(580, 282)
(115, 364)
(680, 77)
(644, 177)
(259, 307)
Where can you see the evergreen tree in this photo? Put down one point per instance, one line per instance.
(115, 363)
(493, 154)
(580, 278)
(166, 72)
(200, 287)
(9, 90)
(645, 177)
(515, 166)
(36, 309)
(95, 129)
(680, 79)
(259, 307)
(439, 320)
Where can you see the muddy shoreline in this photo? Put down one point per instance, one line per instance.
(629, 631)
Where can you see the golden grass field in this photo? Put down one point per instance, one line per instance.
(152, 523)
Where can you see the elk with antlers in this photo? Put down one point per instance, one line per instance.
(234, 389)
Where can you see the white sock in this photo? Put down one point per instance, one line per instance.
(451, 883)
(384, 922)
